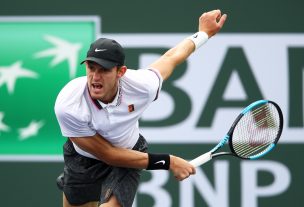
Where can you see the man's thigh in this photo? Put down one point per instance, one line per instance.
(89, 204)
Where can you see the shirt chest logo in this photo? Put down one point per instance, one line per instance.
(131, 108)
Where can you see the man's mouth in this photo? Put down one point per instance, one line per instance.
(97, 85)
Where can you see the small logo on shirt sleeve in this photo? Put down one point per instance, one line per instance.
(131, 108)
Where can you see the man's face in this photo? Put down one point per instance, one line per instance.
(102, 83)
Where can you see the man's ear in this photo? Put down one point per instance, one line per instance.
(121, 71)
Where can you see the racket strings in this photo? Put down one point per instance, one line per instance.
(255, 131)
(249, 151)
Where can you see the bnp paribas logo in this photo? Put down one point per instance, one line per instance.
(38, 56)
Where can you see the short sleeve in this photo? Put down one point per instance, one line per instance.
(145, 80)
(72, 111)
(72, 123)
(157, 87)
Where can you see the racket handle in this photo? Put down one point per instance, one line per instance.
(201, 159)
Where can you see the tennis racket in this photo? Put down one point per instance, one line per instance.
(254, 133)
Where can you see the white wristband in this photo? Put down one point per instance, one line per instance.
(198, 39)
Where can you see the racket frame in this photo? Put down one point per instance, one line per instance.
(248, 109)
(229, 136)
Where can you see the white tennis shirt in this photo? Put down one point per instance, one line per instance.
(80, 116)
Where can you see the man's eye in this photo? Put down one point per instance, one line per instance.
(91, 67)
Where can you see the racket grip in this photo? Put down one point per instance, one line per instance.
(201, 159)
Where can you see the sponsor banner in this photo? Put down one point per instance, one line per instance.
(196, 107)
(39, 55)
(271, 181)
(198, 103)
(274, 180)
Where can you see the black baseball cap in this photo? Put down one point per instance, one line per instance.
(106, 52)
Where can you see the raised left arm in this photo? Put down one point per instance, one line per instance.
(209, 24)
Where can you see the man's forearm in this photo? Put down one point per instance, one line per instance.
(173, 57)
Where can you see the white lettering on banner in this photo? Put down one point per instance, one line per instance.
(155, 189)
(217, 193)
(249, 181)
(213, 196)
(267, 56)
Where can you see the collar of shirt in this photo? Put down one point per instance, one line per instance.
(117, 99)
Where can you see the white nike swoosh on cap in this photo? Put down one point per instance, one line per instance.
(100, 50)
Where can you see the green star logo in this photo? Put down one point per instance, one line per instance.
(39, 55)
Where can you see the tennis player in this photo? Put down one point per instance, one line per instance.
(105, 152)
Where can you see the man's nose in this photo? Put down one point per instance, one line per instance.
(97, 74)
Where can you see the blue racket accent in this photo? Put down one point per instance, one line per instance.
(253, 105)
(222, 143)
(268, 149)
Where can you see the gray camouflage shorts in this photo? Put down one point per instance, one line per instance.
(86, 180)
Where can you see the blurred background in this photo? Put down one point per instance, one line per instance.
(259, 54)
